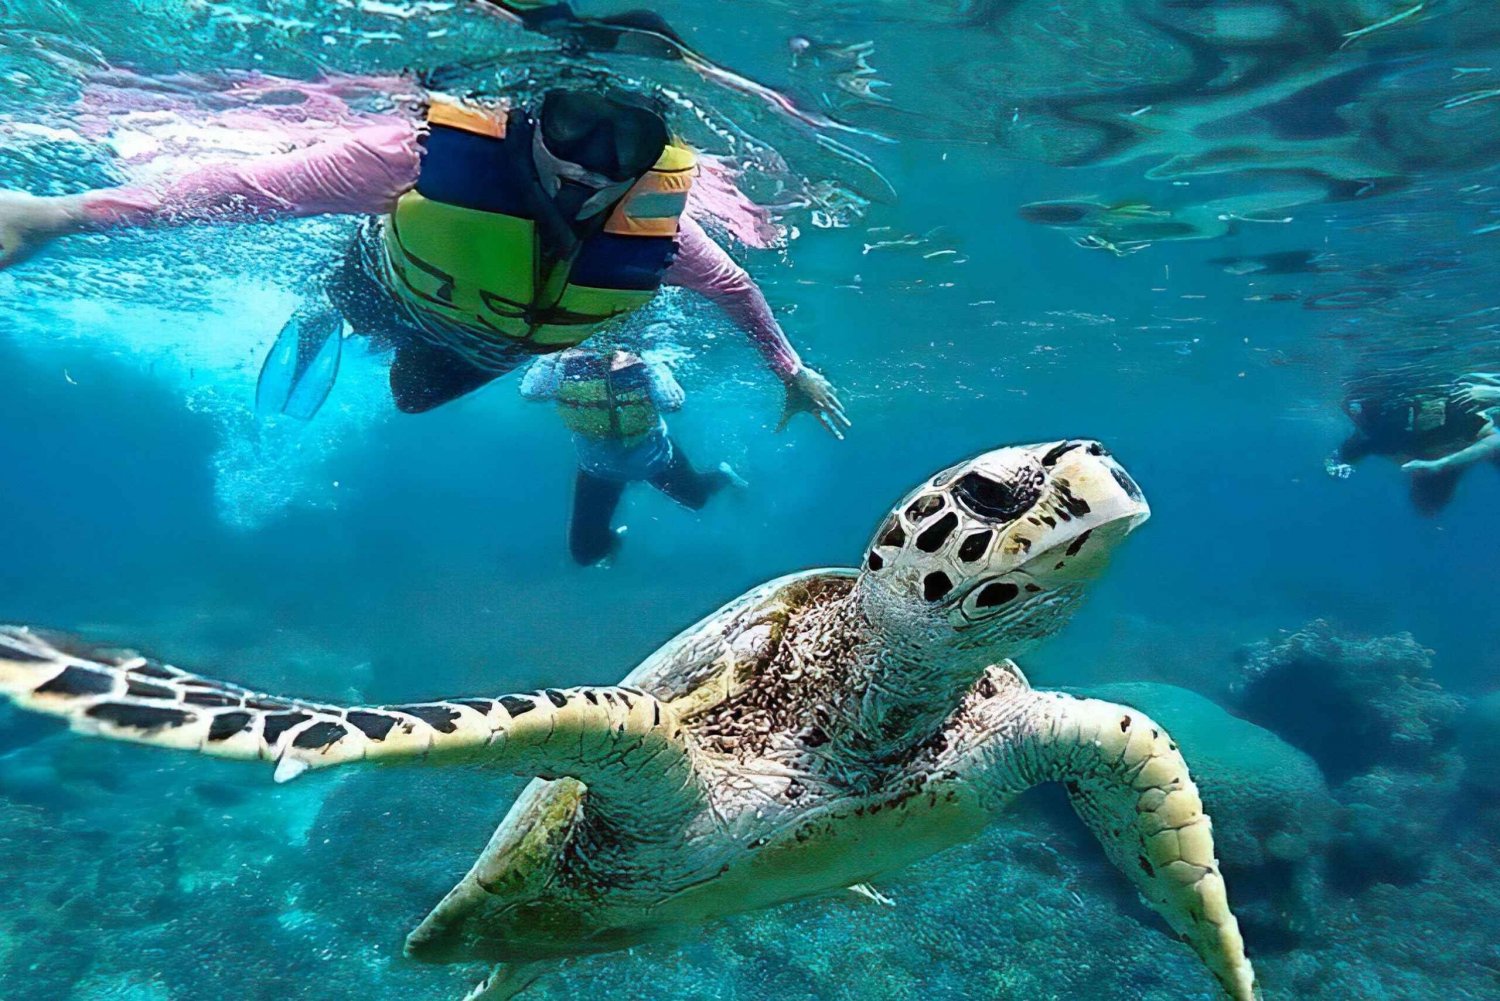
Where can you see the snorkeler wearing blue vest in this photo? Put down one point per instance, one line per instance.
(612, 402)
(496, 235)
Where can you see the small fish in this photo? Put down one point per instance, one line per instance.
(1350, 37)
(870, 893)
(1122, 249)
(909, 241)
(1471, 97)
(863, 86)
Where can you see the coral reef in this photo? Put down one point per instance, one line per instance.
(1479, 742)
(1382, 729)
(147, 876)
(1351, 704)
(1394, 822)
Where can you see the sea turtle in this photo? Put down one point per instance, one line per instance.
(818, 732)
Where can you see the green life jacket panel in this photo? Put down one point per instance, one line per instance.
(609, 404)
(464, 249)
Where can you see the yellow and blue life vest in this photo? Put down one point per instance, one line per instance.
(463, 247)
(603, 403)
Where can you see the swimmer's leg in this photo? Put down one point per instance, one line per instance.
(686, 485)
(590, 538)
(1431, 492)
(424, 376)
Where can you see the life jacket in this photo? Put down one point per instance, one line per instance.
(605, 403)
(463, 247)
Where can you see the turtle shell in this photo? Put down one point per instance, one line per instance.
(700, 668)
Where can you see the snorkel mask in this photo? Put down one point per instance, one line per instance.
(589, 149)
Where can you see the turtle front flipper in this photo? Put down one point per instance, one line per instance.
(506, 981)
(626, 746)
(1129, 784)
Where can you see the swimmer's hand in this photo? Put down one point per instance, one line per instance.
(28, 223)
(1423, 467)
(1478, 392)
(1338, 470)
(809, 391)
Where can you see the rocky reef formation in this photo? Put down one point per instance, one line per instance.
(1383, 730)
(1479, 743)
(1353, 704)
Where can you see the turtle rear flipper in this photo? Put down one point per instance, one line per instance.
(1130, 785)
(626, 746)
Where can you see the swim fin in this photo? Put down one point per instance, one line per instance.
(299, 372)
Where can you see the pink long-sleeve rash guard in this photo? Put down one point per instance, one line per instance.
(363, 172)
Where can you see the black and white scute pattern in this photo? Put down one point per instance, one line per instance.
(126, 696)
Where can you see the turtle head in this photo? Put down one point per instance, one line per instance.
(993, 554)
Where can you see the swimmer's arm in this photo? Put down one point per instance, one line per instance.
(706, 268)
(1487, 447)
(1354, 448)
(1340, 462)
(360, 172)
(666, 391)
(542, 377)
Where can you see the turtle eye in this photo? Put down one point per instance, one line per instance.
(1000, 500)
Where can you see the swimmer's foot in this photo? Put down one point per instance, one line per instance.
(735, 479)
(28, 223)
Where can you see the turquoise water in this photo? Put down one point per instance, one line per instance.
(380, 557)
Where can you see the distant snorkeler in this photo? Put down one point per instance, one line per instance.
(1435, 435)
(613, 401)
(1477, 389)
(495, 234)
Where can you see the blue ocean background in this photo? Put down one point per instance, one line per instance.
(385, 557)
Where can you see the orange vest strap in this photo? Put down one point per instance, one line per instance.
(468, 118)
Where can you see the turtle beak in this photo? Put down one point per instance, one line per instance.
(1088, 469)
(1088, 505)
(1135, 509)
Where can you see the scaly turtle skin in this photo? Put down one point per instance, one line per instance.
(821, 731)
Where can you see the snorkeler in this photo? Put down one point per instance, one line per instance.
(1435, 435)
(1475, 389)
(613, 402)
(496, 235)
